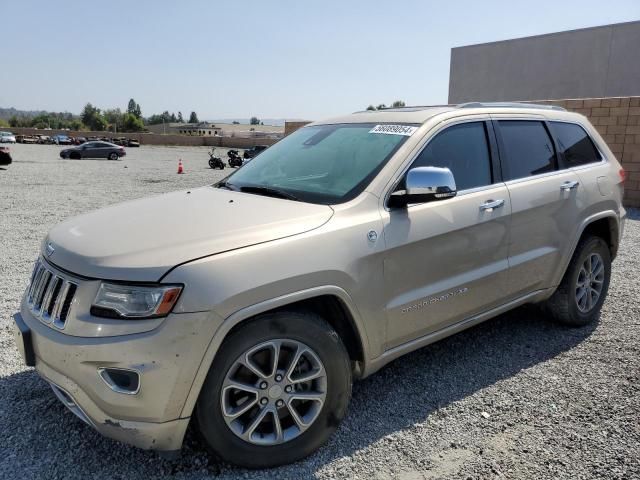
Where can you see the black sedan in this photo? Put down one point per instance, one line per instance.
(5, 156)
(94, 150)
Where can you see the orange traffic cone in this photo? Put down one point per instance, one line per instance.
(180, 169)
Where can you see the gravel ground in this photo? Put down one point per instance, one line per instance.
(516, 397)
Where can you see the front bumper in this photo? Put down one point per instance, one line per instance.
(167, 359)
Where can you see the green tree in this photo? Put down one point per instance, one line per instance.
(114, 119)
(92, 118)
(254, 121)
(371, 107)
(193, 118)
(134, 108)
(131, 123)
(382, 106)
(180, 119)
(398, 104)
(3, 123)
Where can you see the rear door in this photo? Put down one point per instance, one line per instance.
(447, 260)
(545, 202)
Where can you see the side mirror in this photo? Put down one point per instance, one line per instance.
(425, 184)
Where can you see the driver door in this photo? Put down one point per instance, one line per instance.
(446, 260)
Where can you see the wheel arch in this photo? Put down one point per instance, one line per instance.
(333, 303)
(604, 224)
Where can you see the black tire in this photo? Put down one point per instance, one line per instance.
(563, 306)
(113, 156)
(75, 156)
(301, 326)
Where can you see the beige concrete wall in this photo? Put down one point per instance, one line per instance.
(158, 139)
(617, 119)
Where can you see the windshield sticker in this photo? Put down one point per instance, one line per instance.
(405, 130)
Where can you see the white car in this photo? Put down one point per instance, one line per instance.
(7, 137)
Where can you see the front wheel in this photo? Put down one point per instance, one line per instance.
(113, 156)
(583, 289)
(278, 389)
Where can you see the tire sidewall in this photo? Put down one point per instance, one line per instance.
(305, 328)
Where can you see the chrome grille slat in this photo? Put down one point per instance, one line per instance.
(39, 270)
(50, 296)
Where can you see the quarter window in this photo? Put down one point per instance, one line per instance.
(575, 145)
(527, 147)
(464, 150)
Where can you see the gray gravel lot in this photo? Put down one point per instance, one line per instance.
(516, 397)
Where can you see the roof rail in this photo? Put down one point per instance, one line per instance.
(510, 105)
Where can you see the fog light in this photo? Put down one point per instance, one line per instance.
(121, 380)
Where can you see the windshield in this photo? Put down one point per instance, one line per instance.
(325, 164)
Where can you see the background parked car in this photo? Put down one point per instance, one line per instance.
(26, 139)
(61, 139)
(7, 137)
(94, 150)
(44, 139)
(253, 151)
(5, 156)
(133, 143)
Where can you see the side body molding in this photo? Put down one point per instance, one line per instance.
(252, 310)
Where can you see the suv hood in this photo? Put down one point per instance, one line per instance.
(142, 239)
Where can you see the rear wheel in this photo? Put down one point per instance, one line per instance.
(277, 391)
(580, 295)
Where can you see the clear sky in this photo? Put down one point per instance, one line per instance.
(272, 59)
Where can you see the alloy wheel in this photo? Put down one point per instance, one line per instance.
(273, 392)
(589, 283)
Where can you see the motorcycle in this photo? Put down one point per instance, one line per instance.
(215, 162)
(235, 160)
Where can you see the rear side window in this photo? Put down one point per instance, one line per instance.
(527, 149)
(575, 145)
(463, 149)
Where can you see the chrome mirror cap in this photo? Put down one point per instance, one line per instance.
(425, 184)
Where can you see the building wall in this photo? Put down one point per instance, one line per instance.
(290, 127)
(588, 63)
(617, 119)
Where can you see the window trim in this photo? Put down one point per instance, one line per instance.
(504, 157)
(565, 165)
(496, 174)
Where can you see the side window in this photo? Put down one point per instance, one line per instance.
(464, 150)
(527, 147)
(575, 144)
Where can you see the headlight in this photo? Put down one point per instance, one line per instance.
(131, 301)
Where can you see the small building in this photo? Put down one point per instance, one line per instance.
(203, 129)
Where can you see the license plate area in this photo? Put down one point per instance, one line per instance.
(24, 342)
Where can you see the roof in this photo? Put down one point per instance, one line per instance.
(420, 115)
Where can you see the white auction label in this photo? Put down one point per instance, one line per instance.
(405, 130)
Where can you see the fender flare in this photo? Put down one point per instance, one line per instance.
(248, 312)
(579, 231)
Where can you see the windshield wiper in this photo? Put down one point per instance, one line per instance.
(269, 192)
(228, 186)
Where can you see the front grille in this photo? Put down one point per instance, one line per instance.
(50, 296)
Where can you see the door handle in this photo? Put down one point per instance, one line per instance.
(569, 185)
(489, 205)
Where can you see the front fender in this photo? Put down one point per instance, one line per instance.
(251, 311)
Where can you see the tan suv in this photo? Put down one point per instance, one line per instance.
(248, 306)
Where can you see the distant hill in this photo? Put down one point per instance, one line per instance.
(7, 113)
